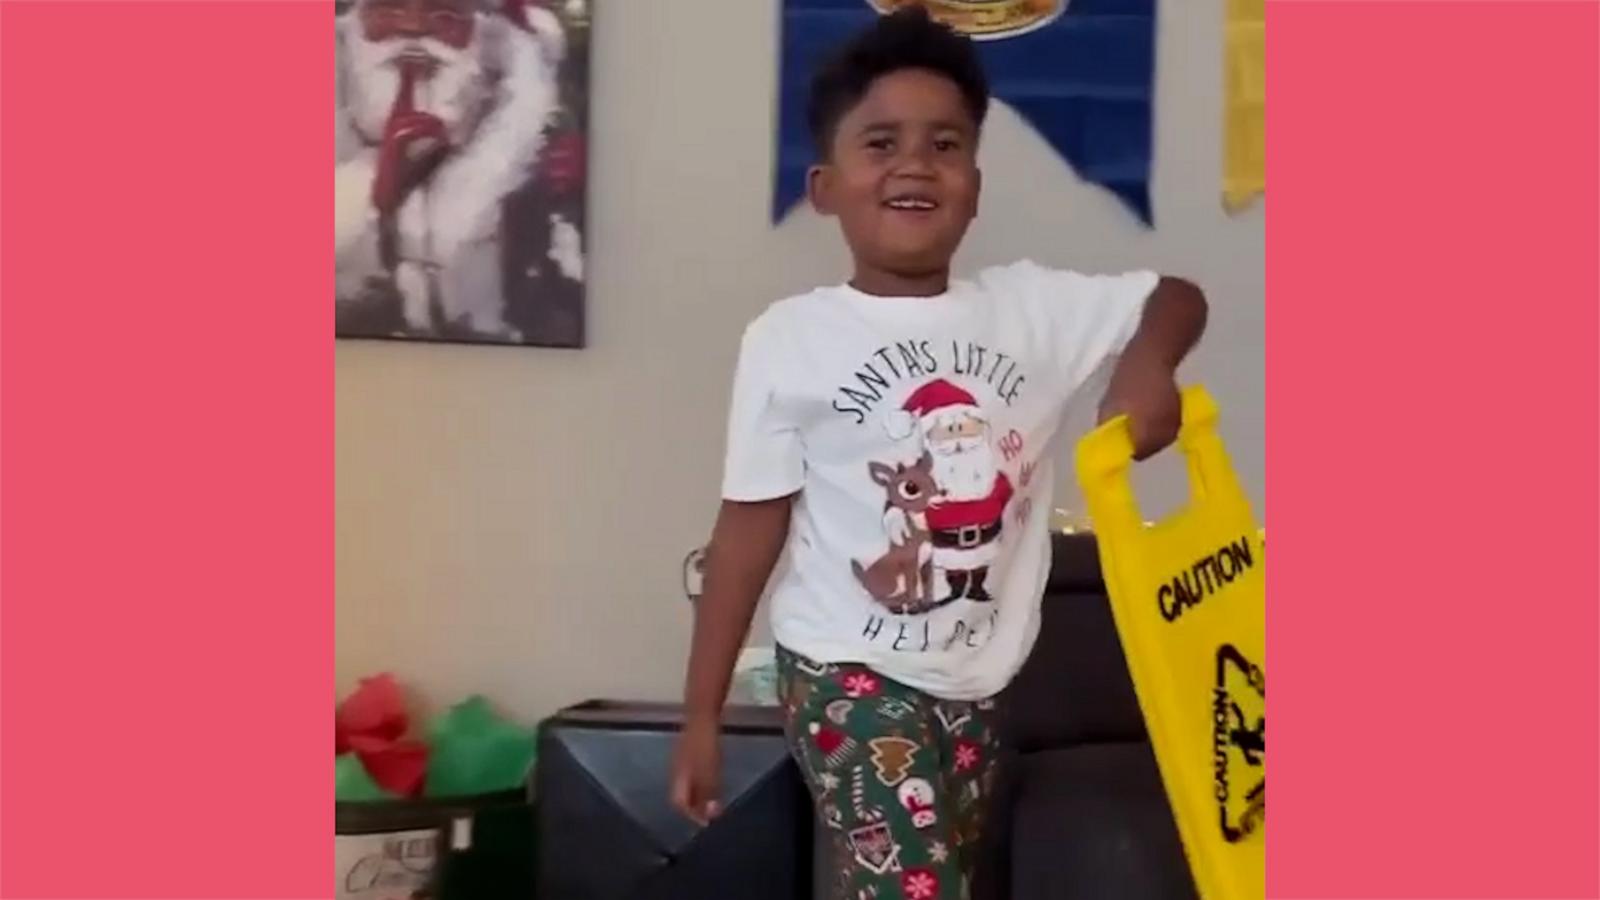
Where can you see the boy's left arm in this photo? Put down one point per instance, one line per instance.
(1144, 384)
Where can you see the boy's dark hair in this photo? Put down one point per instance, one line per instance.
(906, 39)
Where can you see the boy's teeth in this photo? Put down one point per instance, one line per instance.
(911, 204)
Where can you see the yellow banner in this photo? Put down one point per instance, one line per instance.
(1245, 154)
(1189, 597)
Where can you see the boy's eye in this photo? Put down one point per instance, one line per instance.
(945, 145)
(880, 143)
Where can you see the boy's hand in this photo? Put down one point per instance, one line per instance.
(696, 771)
(1144, 386)
(1146, 391)
(745, 545)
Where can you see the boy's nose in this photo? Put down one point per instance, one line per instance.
(914, 164)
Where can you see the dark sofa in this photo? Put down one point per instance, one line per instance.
(1081, 812)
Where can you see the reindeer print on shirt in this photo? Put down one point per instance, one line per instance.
(902, 578)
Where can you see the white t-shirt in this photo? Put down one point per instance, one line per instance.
(921, 434)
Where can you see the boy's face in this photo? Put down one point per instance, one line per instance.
(903, 178)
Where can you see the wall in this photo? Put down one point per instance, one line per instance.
(511, 521)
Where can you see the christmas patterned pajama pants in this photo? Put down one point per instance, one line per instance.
(901, 780)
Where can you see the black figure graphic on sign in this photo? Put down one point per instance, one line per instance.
(1239, 744)
(1252, 742)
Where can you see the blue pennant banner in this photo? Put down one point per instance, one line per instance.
(1081, 72)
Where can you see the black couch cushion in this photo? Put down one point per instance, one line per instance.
(1092, 822)
(608, 832)
(1075, 686)
(1074, 565)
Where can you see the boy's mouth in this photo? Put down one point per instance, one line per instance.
(911, 203)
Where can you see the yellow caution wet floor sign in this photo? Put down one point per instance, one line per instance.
(1188, 594)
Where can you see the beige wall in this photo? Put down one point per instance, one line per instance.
(511, 521)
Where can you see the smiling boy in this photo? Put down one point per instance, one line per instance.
(897, 434)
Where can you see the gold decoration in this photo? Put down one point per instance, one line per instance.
(983, 19)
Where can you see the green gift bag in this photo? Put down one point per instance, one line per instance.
(475, 751)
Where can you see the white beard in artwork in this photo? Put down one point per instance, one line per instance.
(493, 89)
(455, 92)
(964, 467)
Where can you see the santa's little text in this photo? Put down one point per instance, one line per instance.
(897, 362)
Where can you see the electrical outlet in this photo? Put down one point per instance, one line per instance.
(694, 573)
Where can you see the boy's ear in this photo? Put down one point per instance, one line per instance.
(819, 188)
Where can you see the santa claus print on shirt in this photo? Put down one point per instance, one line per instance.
(964, 520)
(458, 196)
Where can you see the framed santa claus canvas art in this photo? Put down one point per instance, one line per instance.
(459, 177)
